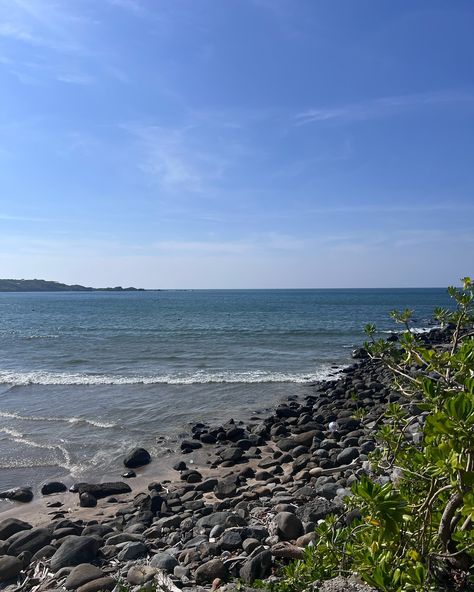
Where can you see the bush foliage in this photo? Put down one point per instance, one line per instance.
(414, 531)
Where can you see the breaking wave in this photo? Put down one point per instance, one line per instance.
(254, 376)
(74, 420)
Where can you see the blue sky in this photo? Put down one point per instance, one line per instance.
(237, 143)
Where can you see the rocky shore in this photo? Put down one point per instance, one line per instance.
(245, 499)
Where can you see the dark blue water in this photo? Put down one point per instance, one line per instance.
(86, 376)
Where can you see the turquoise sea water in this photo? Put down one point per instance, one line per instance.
(84, 377)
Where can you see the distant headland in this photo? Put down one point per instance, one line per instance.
(48, 286)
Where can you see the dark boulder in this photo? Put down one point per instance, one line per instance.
(53, 487)
(11, 526)
(10, 567)
(209, 571)
(137, 458)
(164, 561)
(226, 488)
(87, 500)
(288, 526)
(257, 568)
(101, 490)
(21, 494)
(99, 585)
(232, 454)
(28, 540)
(74, 551)
(317, 509)
(81, 574)
(347, 455)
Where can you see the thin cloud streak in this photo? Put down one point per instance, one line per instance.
(380, 107)
(395, 209)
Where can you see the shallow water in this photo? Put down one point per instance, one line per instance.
(84, 377)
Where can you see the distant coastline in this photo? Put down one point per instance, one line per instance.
(49, 286)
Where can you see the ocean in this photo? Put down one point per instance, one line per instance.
(85, 377)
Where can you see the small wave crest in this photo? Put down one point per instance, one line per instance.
(20, 438)
(249, 377)
(73, 420)
(416, 330)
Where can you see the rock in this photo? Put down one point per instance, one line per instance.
(124, 537)
(231, 540)
(347, 455)
(306, 539)
(250, 544)
(224, 519)
(226, 488)
(87, 500)
(342, 584)
(74, 551)
(11, 526)
(188, 445)
(285, 550)
(206, 486)
(99, 585)
(28, 540)
(44, 553)
(232, 454)
(137, 575)
(164, 561)
(317, 509)
(257, 568)
(81, 574)
(216, 531)
(10, 567)
(21, 494)
(210, 570)
(129, 475)
(53, 487)
(137, 458)
(288, 526)
(287, 444)
(25, 558)
(133, 551)
(180, 466)
(328, 490)
(100, 490)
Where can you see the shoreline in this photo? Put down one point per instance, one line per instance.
(240, 498)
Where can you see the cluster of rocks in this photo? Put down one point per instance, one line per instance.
(254, 503)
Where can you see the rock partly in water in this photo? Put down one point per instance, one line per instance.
(53, 487)
(137, 458)
(20, 494)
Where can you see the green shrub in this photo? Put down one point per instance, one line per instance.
(415, 532)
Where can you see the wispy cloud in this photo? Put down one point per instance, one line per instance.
(380, 107)
(133, 6)
(13, 218)
(264, 242)
(178, 159)
(75, 78)
(405, 208)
